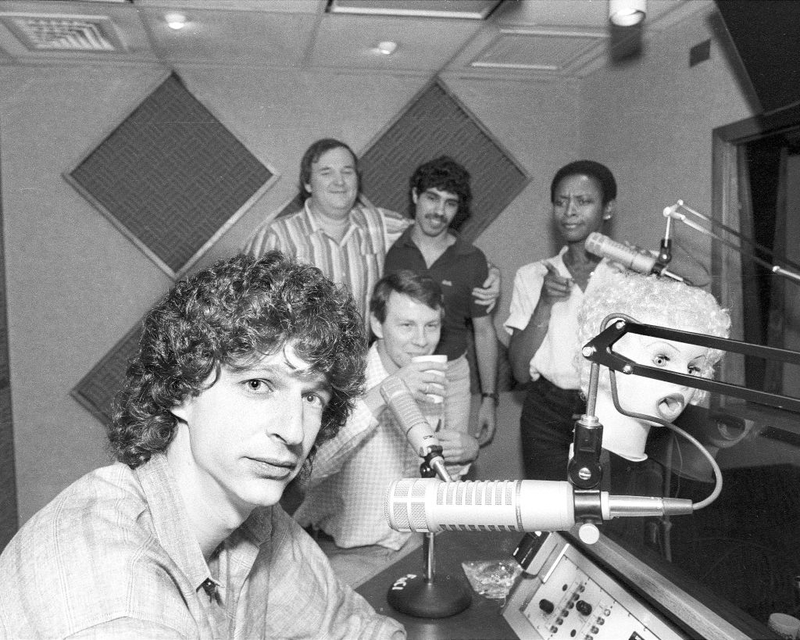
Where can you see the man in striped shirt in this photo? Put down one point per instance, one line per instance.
(339, 232)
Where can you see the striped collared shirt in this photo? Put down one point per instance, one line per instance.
(356, 261)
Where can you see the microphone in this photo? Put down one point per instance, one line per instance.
(417, 430)
(429, 505)
(605, 247)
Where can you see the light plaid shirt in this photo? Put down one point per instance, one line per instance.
(352, 472)
(356, 261)
(113, 556)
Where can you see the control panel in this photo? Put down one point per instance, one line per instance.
(562, 594)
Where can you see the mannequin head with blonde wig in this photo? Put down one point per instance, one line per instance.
(656, 301)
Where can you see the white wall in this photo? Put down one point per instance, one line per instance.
(651, 121)
(76, 286)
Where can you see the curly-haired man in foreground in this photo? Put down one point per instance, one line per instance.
(242, 371)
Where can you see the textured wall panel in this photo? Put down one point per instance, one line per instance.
(171, 177)
(434, 124)
(97, 389)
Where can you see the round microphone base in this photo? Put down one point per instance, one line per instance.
(439, 598)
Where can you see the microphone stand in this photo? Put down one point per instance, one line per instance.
(423, 596)
(584, 472)
(672, 212)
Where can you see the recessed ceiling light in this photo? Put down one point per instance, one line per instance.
(175, 21)
(386, 47)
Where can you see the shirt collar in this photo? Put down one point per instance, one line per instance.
(171, 522)
(358, 229)
(170, 519)
(459, 247)
(375, 371)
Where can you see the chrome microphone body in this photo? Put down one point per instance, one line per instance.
(429, 505)
(604, 247)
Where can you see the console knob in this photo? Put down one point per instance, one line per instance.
(583, 607)
(546, 606)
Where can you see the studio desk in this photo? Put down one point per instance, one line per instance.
(615, 595)
(482, 620)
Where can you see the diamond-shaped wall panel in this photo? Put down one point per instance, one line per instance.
(171, 177)
(436, 123)
(97, 389)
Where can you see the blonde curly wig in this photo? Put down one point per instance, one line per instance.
(652, 300)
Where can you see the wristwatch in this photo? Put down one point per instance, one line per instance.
(494, 396)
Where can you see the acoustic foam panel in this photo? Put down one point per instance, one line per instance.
(97, 389)
(171, 177)
(437, 123)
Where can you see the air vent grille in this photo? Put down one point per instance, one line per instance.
(63, 32)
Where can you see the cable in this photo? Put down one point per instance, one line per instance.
(640, 416)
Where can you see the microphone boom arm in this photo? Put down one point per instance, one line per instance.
(672, 212)
(598, 350)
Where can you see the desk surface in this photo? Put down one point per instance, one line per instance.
(482, 620)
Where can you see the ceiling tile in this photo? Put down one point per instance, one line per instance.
(522, 39)
(271, 6)
(232, 37)
(423, 45)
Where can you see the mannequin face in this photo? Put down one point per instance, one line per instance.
(666, 400)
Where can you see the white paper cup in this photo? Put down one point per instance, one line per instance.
(784, 625)
(436, 399)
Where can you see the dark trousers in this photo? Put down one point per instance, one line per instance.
(546, 424)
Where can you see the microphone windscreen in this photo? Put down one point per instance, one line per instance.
(430, 505)
(604, 247)
(408, 415)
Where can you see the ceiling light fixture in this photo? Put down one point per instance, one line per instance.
(386, 47)
(626, 13)
(468, 9)
(175, 21)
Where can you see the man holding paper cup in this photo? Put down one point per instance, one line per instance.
(345, 494)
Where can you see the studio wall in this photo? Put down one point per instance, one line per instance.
(76, 285)
(652, 118)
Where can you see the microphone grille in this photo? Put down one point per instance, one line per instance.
(594, 243)
(471, 493)
(417, 515)
(406, 505)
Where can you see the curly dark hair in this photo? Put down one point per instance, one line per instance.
(232, 314)
(445, 174)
